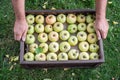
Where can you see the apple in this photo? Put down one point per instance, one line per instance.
(51, 57)
(42, 37)
(58, 26)
(33, 47)
(89, 18)
(94, 56)
(64, 46)
(50, 19)
(61, 18)
(39, 28)
(44, 47)
(72, 28)
(48, 28)
(53, 36)
(39, 19)
(30, 19)
(29, 56)
(83, 46)
(62, 56)
(30, 39)
(71, 18)
(90, 28)
(83, 56)
(53, 47)
(81, 18)
(30, 29)
(64, 35)
(82, 27)
(92, 38)
(93, 48)
(82, 36)
(40, 57)
(73, 54)
(73, 40)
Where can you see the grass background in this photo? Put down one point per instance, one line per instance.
(110, 70)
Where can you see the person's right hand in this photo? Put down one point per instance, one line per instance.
(20, 29)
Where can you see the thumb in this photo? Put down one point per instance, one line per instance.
(98, 35)
(24, 36)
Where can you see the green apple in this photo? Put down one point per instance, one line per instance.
(29, 56)
(92, 38)
(61, 18)
(50, 19)
(94, 56)
(83, 46)
(73, 54)
(51, 57)
(39, 28)
(84, 56)
(93, 48)
(30, 39)
(90, 28)
(30, 19)
(82, 27)
(48, 28)
(58, 26)
(64, 35)
(39, 19)
(81, 18)
(53, 47)
(53, 36)
(64, 46)
(42, 37)
(73, 40)
(72, 28)
(89, 18)
(40, 57)
(71, 18)
(82, 36)
(30, 29)
(33, 47)
(62, 56)
(44, 47)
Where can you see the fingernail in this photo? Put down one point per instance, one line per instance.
(99, 38)
(23, 39)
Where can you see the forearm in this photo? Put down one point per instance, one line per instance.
(101, 8)
(19, 9)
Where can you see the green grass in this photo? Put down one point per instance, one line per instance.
(110, 69)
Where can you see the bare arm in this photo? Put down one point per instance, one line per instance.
(101, 24)
(20, 26)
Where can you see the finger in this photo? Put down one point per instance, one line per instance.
(98, 35)
(24, 36)
(104, 34)
(18, 37)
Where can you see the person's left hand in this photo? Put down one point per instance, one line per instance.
(101, 26)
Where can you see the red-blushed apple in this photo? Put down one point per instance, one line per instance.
(50, 19)
(33, 47)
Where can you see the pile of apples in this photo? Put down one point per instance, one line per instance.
(61, 37)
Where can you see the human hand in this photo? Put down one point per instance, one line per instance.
(20, 29)
(101, 26)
